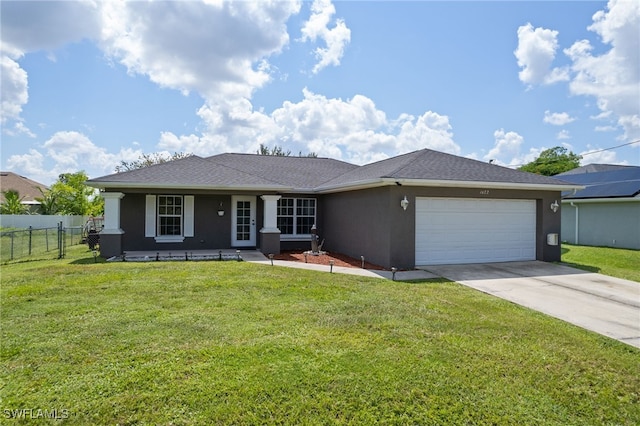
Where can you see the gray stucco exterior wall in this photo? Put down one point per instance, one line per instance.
(371, 222)
(210, 230)
(367, 222)
(607, 224)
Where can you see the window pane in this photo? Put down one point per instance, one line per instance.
(304, 225)
(169, 215)
(285, 225)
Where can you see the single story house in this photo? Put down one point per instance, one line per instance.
(607, 211)
(424, 207)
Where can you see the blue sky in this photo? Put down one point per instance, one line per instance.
(86, 84)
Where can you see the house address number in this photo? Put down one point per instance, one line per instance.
(484, 192)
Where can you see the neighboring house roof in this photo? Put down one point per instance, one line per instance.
(27, 188)
(617, 183)
(309, 174)
(593, 168)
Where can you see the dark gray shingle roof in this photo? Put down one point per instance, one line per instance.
(427, 164)
(299, 172)
(315, 174)
(191, 171)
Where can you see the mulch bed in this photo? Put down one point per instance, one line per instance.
(323, 259)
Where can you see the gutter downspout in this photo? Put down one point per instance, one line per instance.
(577, 218)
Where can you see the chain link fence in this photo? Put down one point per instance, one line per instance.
(38, 243)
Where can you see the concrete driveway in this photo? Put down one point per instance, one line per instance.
(606, 305)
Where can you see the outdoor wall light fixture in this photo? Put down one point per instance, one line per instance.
(404, 203)
(221, 210)
(554, 206)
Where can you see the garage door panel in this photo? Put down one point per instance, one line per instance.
(474, 230)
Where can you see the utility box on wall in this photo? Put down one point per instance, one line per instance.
(552, 239)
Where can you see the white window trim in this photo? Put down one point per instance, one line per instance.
(151, 219)
(169, 238)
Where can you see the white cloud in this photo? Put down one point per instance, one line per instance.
(31, 164)
(430, 130)
(216, 49)
(605, 128)
(353, 130)
(506, 147)
(563, 135)
(614, 76)
(68, 152)
(535, 53)
(19, 128)
(557, 118)
(596, 156)
(30, 26)
(335, 39)
(13, 89)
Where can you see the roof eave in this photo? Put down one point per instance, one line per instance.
(635, 199)
(372, 183)
(137, 185)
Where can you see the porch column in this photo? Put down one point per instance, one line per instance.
(111, 234)
(270, 234)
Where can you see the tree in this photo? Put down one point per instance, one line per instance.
(74, 197)
(48, 202)
(146, 160)
(553, 161)
(280, 152)
(12, 203)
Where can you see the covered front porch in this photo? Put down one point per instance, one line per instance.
(201, 223)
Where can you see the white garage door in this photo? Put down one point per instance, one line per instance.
(461, 230)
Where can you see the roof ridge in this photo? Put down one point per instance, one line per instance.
(273, 156)
(411, 161)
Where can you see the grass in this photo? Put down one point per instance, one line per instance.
(616, 262)
(189, 343)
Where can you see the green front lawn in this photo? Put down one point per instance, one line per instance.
(616, 262)
(239, 343)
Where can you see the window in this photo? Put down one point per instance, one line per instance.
(169, 218)
(296, 216)
(169, 215)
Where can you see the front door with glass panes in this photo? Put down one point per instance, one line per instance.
(243, 221)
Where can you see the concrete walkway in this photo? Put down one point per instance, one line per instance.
(607, 305)
(257, 257)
